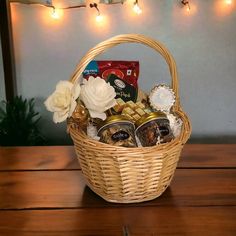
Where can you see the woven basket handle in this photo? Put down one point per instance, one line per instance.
(131, 38)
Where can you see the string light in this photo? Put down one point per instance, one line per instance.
(186, 3)
(137, 8)
(112, 1)
(99, 17)
(55, 14)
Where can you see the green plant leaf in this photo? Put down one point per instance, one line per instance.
(19, 123)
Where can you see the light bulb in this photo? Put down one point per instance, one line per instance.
(55, 14)
(228, 2)
(99, 18)
(137, 9)
(186, 4)
(188, 8)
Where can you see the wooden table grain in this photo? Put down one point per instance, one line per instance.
(42, 192)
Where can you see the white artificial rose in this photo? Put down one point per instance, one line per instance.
(63, 100)
(98, 96)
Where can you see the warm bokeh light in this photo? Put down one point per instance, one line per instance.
(137, 20)
(101, 21)
(228, 2)
(48, 18)
(137, 9)
(224, 7)
(99, 18)
(98, 28)
(190, 9)
(55, 13)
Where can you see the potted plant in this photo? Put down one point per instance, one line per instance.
(19, 123)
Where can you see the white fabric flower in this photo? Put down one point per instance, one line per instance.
(63, 100)
(98, 96)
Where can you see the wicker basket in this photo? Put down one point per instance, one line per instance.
(128, 175)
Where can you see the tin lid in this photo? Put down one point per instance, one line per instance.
(149, 117)
(114, 119)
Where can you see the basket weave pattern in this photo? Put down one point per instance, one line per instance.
(128, 175)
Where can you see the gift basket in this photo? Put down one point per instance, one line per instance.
(125, 173)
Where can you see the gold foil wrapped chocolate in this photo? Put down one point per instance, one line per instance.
(135, 110)
(80, 116)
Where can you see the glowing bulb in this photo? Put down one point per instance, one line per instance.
(99, 18)
(55, 14)
(188, 8)
(228, 2)
(137, 9)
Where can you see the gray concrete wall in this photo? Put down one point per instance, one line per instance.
(202, 43)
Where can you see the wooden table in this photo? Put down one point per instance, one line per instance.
(42, 192)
